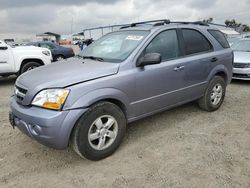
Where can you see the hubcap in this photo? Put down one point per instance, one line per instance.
(59, 58)
(216, 94)
(30, 68)
(103, 132)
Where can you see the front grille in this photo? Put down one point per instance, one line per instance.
(21, 90)
(240, 65)
(19, 97)
(241, 75)
(20, 93)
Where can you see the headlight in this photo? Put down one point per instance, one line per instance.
(46, 53)
(51, 98)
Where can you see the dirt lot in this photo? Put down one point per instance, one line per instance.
(183, 147)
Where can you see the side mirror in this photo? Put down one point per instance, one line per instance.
(3, 46)
(149, 59)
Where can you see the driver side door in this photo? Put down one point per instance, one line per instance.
(158, 86)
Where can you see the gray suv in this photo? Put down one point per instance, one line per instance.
(139, 70)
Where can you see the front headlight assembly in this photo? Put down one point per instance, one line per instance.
(51, 98)
(47, 53)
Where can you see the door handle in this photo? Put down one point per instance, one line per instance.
(179, 68)
(214, 59)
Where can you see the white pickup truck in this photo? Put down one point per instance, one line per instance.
(17, 60)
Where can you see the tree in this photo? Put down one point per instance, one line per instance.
(246, 28)
(234, 24)
(209, 20)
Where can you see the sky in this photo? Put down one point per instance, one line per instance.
(25, 18)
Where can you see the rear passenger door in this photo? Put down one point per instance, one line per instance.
(198, 56)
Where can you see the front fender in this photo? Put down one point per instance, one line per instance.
(92, 97)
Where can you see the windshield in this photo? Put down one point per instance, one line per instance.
(115, 47)
(242, 45)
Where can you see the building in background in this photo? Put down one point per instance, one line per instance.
(49, 36)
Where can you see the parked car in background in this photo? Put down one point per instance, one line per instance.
(124, 76)
(17, 60)
(58, 52)
(232, 40)
(241, 67)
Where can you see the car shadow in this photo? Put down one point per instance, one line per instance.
(241, 82)
(4, 81)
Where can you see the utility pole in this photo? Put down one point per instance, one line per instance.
(71, 29)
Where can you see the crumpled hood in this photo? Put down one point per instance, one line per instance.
(64, 73)
(241, 57)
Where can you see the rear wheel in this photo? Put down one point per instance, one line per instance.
(29, 66)
(214, 95)
(99, 131)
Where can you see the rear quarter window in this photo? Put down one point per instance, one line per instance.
(195, 42)
(220, 37)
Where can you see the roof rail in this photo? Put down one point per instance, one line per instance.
(163, 21)
(195, 23)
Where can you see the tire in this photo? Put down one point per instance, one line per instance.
(29, 66)
(214, 95)
(59, 58)
(92, 147)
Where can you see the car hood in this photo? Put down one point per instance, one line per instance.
(241, 57)
(64, 73)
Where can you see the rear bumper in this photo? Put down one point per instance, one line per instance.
(241, 73)
(48, 127)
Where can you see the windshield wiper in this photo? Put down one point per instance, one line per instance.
(93, 58)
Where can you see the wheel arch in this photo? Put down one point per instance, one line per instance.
(222, 71)
(112, 95)
(117, 102)
(223, 75)
(25, 61)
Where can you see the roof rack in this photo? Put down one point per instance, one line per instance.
(163, 21)
(195, 23)
(152, 23)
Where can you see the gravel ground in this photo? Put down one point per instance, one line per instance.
(183, 147)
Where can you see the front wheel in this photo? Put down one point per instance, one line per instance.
(214, 95)
(29, 66)
(99, 132)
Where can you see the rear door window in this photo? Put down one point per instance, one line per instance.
(166, 44)
(195, 42)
